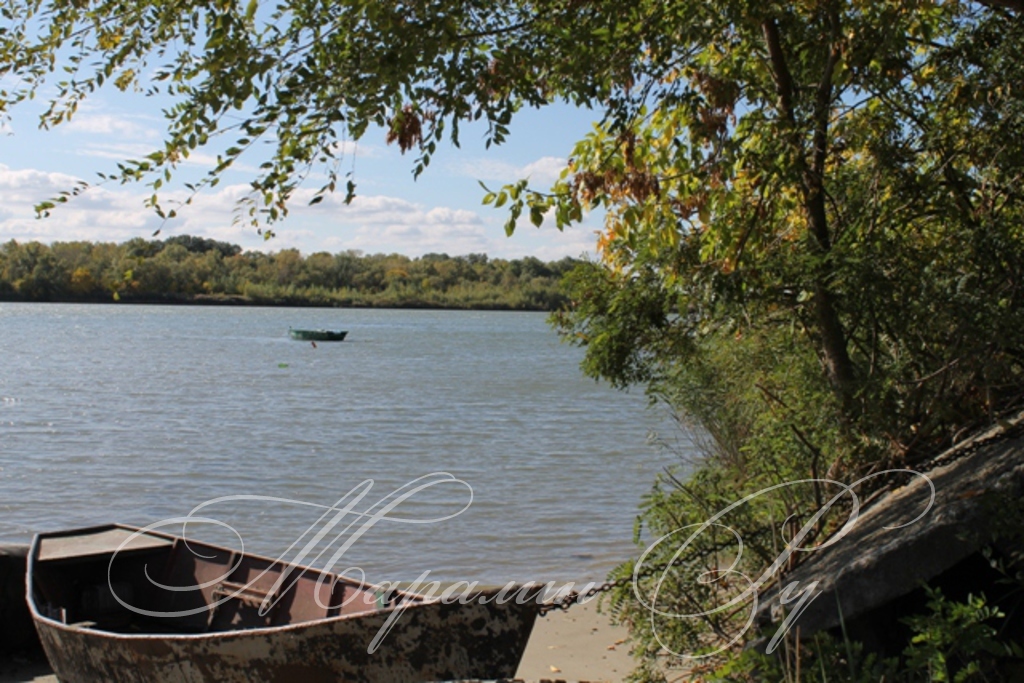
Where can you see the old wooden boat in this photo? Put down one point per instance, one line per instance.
(118, 604)
(317, 335)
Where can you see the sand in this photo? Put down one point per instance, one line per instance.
(578, 645)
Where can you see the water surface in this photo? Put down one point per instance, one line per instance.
(140, 413)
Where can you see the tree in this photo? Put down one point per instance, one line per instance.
(813, 243)
(848, 181)
(734, 113)
(305, 74)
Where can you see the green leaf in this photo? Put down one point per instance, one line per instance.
(536, 215)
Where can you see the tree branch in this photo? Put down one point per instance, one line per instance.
(780, 70)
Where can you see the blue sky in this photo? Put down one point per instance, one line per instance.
(438, 212)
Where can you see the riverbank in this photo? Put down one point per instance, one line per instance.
(578, 645)
(409, 303)
(195, 270)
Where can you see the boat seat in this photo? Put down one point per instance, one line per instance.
(246, 612)
(240, 591)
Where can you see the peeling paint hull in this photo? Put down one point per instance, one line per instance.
(427, 641)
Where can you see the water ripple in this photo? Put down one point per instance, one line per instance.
(134, 413)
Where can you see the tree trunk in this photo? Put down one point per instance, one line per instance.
(836, 355)
(838, 365)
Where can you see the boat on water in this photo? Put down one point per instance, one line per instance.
(124, 605)
(317, 335)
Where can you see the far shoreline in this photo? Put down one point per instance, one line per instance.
(245, 302)
(189, 270)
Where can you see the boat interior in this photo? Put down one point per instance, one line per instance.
(90, 578)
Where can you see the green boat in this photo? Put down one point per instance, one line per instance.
(317, 335)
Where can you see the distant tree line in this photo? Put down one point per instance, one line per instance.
(187, 269)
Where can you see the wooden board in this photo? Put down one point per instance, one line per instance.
(100, 542)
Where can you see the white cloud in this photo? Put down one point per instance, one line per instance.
(379, 223)
(99, 134)
(124, 127)
(349, 148)
(542, 171)
(97, 214)
(545, 169)
(118, 151)
(373, 224)
(138, 151)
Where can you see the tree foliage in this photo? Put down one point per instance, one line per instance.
(813, 245)
(813, 250)
(187, 269)
(844, 171)
(798, 163)
(304, 76)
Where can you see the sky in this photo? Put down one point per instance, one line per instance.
(439, 212)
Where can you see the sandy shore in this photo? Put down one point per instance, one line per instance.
(578, 645)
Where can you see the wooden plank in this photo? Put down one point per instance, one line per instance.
(102, 542)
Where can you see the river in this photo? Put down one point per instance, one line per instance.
(139, 414)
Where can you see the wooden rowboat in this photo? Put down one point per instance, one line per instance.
(124, 605)
(317, 335)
